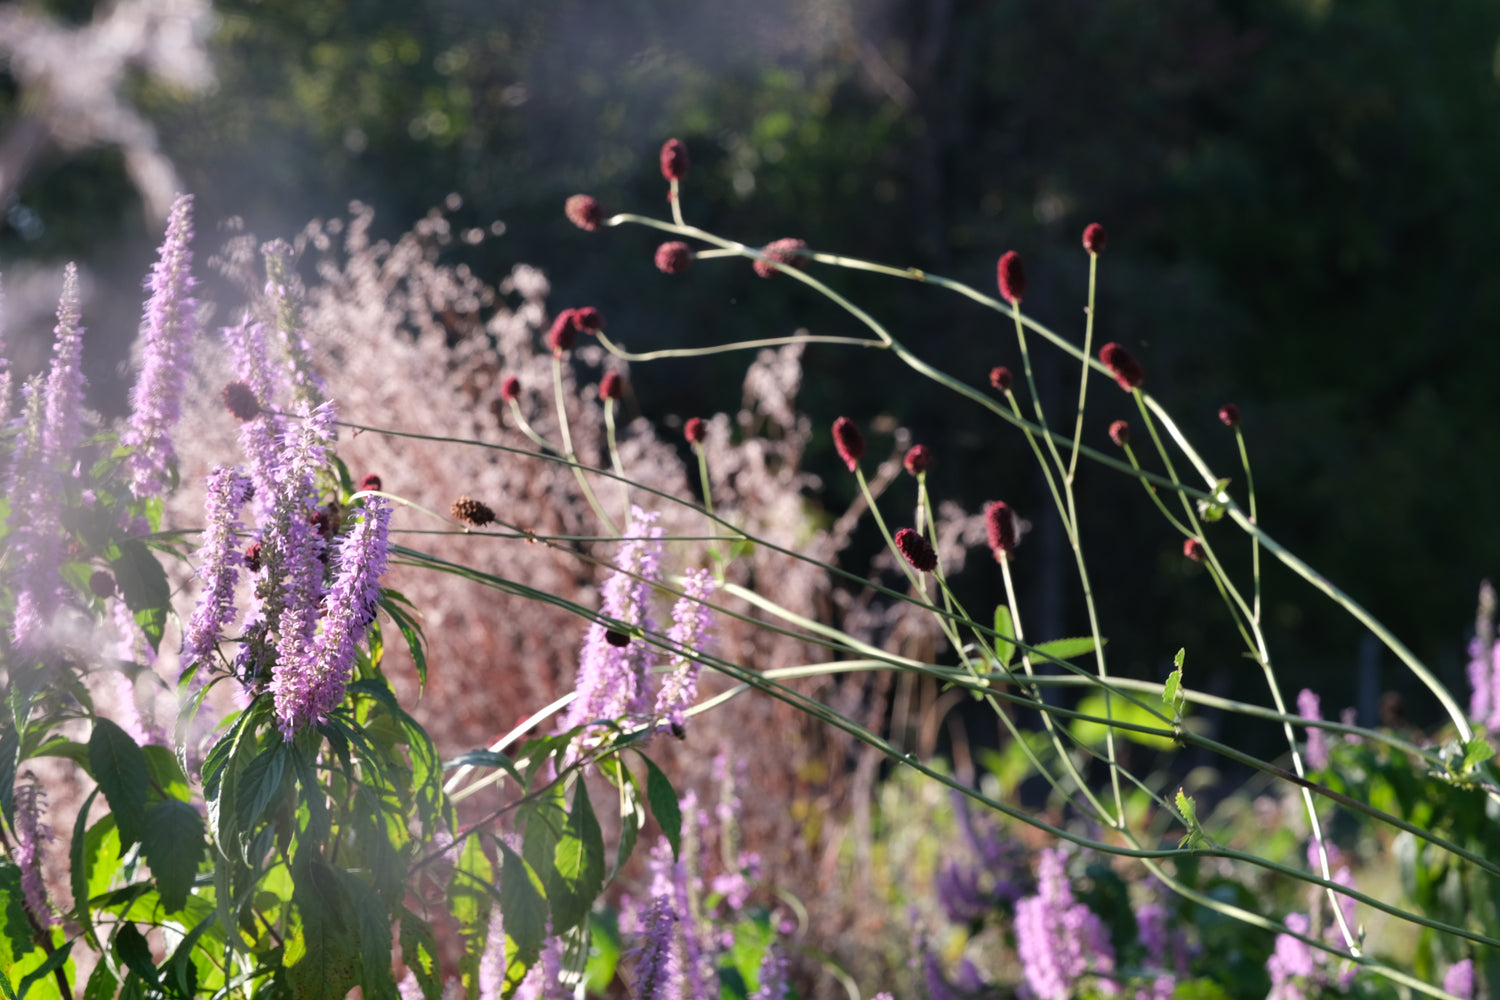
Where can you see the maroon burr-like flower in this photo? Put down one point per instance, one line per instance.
(1011, 277)
(1119, 433)
(101, 584)
(849, 442)
(617, 639)
(510, 389)
(241, 401)
(673, 257)
(611, 386)
(1229, 415)
(252, 557)
(1094, 238)
(370, 482)
(1193, 549)
(584, 212)
(674, 159)
(471, 510)
(564, 333)
(916, 550)
(918, 459)
(694, 430)
(1002, 528)
(1001, 378)
(1125, 368)
(588, 319)
(783, 252)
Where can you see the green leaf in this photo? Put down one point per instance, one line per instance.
(1189, 810)
(78, 869)
(166, 773)
(523, 911)
(545, 818)
(664, 805)
(1097, 704)
(132, 949)
(120, 768)
(10, 752)
(174, 848)
(1171, 690)
(419, 952)
(485, 758)
(1004, 648)
(1066, 649)
(44, 971)
(102, 983)
(604, 959)
(632, 818)
(1476, 752)
(143, 586)
(1177, 660)
(259, 782)
(373, 926)
(468, 893)
(578, 872)
(15, 934)
(327, 969)
(416, 642)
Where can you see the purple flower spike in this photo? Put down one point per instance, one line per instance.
(1317, 740)
(227, 489)
(36, 530)
(691, 620)
(169, 328)
(31, 833)
(63, 429)
(657, 970)
(5, 373)
(773, 984)
(1460, 979)
(1060, 941)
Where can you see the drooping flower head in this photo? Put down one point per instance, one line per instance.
(611, 386)
(588, 319)
(1123, 366)
(1192, 548)
(674, 159)
(584, 212)
(1011, 277)
(563, 334)
(848, 441)
(219, 571)
(168, 330)
(695, 430)
(472, 511)
(916, 550)
(674, 257)
(370, 482)
(510, 389)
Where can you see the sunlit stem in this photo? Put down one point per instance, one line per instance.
(567, 438)
(529, 431)
(1239, 437)
(739, 345)
(675, 197)
(1083, 380)
(614, 454)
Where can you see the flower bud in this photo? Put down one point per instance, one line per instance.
(1011, 277)
(674, 257)
(588, 319)
(694, 430)
(1119, 433)
(1193, 549)
(370, 482)
(674, 160)
(510, 389)
(611, 386)
(584, 212)
(1001, 528)
(617, 639)
(1126, 369)
(101, 584)
(918, 459)
(1229, 415)
(564, 333)
(916, 550)
(1094, 238)
(472, 511)
(783, 252)
(849, 442)
(1001, 378)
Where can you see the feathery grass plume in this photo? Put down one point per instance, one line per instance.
(1317, 741)
(31, 833)
(219, 570)
(62, 426)
(588, 319)
(916, 550)
(1001, 527)
(689, 636)
(32, 485)
(510, 388)
(674, 159)
(612, 680)
(784, 252)
(285, 295)
(1192, 548)
(312, 687)
(563, 334)
(1229, 415)
(239, 399)
(169, 328)
(1124, 367)
(674, 257)
(611, 386)
(1011, 277)
(1001, 378)
(848, 442)
(472, 511)
(1094, 238)
(694, 430)
(1119, 432)
(918, 459)
(1060, 941)
(584, 212)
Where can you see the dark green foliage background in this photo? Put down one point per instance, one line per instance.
(1300, 197)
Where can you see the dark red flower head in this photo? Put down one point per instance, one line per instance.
(783, 252)
(1119, 433)
(471, 510)
(240, 399)
(916, 550)
(1000, 524)
(1229, 414)
(611, 386)
(102, 585)
(563, 334)
(1011, 276)
(1094, 238)
(370, 482)
(918, 459)
(1001, 378)
(674, 160)
(584, 212)
(849, 442)
(694, 430)
(1193, 549)
(588, 319)
(674, 257)
(252, 557)
(1126, 369)
(510, 389)
(616, 639)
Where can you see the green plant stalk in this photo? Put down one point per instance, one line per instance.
(739, 345)
(1239, 438)
(567, 437)
(614, 453)
(1083, 378)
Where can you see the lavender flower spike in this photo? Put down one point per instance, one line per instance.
(5, 373)
(657, 975)
(1059, 939)
(31, 831)
(1317, 740)
(308, 690)
(227, 489)
(168, 330)
(62, 428)
(773, 985)
(691, 619)
(36, 530)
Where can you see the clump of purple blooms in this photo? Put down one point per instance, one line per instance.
(226, 493)
(31, 832)
(1060, 940)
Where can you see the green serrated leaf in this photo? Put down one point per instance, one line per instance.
(373, 926)
(1006, 629)
(419, 952)
(1066, 649)
(120, 768)
(78, 869)
(1177, 660)
(468, 893)
(664, 805)
(43, 973)
(132, 949)
(166, 773)
(102, 983)
(327, 969)
(143, 586)
(10, 751)
(1476, 752)
(523, 911)
(174, 847)
(15, 934)
(578, 869)
(1171, 691)
(632, 818)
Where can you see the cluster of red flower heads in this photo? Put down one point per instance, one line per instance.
(569, 324)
